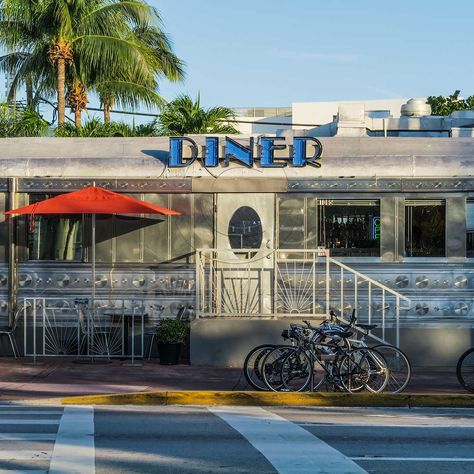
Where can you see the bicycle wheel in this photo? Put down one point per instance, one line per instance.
(465, 370)
(253, 366)
(399, 366)
(296, 372)
(363, 367)
(271, 367)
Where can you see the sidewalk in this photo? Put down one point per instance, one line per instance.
(63, 377)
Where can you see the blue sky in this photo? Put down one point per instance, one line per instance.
(275, 52)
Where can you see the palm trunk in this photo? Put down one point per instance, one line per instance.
(107, 113)
(29, 93)
(108, 104)
(77, 118)
(61, 89)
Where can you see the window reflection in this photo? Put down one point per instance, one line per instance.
(470, 229)
(425, 223)
(350, 228)
(156, 238)
(245, 229)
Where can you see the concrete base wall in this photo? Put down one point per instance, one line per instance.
(226, 342)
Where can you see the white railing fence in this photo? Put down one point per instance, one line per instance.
(292, 283)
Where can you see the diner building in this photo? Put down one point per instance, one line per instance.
(390, 199)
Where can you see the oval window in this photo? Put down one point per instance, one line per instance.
(245, 229)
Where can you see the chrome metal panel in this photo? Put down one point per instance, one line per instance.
(180, 185)
(395, 185)
(456, 228)
(388, 215)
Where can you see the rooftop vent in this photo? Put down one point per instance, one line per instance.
(415, 108)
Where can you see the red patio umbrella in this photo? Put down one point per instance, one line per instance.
(93, 200)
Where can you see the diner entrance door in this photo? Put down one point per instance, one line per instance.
(245, 227)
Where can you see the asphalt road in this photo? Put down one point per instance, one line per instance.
(149, 439)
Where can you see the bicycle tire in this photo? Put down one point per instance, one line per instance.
(465, 370)
(296, 372)
(271, 367)
(399, 366)
(366, 367)
(253, 366)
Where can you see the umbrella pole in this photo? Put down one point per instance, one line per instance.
(93, 263)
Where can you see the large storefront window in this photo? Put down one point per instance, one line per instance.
(470, 229)
(348, 227)
(57, 237)
(123, 239)
(425, 228)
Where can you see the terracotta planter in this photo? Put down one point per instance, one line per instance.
(169, 353)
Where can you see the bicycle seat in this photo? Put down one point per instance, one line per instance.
(342, 334)
(367, 327)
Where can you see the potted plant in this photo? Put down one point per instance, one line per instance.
(170, 334)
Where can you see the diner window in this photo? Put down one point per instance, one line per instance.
(157, 238)
(55, 237)
(470, 229)
(347, 227)
(425, 228)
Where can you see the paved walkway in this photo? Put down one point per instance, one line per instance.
(57, 377)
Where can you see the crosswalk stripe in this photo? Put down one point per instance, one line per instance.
(23, 454)
(288, 447)
(74, 450)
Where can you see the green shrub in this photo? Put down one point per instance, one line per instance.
(171, 331)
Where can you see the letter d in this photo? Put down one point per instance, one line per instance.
(176, 152)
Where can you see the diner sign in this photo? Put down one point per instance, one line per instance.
(235, 151)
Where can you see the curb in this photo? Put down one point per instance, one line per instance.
(276, 399)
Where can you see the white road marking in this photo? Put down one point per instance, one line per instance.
(23, 454)
(288, 447)
(74, 450)
(27, 472)
(28, 421)
(30, 412)
(380, 425)
(27, 436)
(389, 458)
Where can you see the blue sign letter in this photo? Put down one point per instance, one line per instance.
(239, 152)
(299, 152)
(212, 152)
(268, 152)
(176, 152)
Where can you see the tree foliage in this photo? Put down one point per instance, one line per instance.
(441, 105)
(95, 128)
(185, 116)
(116, 47)
(21, 123)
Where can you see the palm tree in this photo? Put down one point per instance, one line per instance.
(185, 116)
(86, 44)
(124, 90)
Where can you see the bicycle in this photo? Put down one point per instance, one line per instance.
(324, 357)
(465, 370)
(396, 359)
(252, 367)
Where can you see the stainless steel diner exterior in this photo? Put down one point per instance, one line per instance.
(399, 186)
